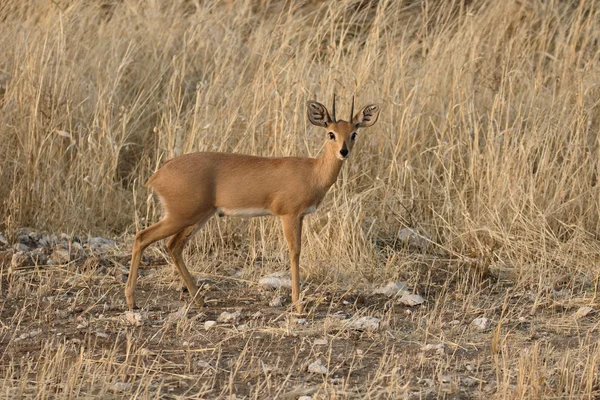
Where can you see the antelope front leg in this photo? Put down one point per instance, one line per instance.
(292, 230)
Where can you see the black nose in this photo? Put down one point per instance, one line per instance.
(344, 152)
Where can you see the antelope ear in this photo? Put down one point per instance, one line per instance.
(317, 114)
(367, 116)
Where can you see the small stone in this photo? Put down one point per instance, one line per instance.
(276, 301)
(243, 327)
(365, 323)
(144, 352)
(3, 240)
(100, 244)
(133, 318)
(83, 324)
(209, 324)
(20, 247)
(392, 289)
(276, 280)
(411, 299)
(430, 348)
(482, 323)
(317, 367)
(301, 321)
(320, 342)
(359, 352)
(257, 315)
(454, 322)
(413, 239)
(305, 398)
(203, 364)
(425, 382)
(583, 312)
(227, 317)
(121, 387)
(19, 260)
(445, 379)
(101, 334)
(469, 382)
(30, 334)
(60, 256)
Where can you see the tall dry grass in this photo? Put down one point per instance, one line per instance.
(487, 140)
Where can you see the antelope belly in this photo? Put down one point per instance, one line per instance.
(243, 212)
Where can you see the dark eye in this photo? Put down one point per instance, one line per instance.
(331, 136)
(353, 137)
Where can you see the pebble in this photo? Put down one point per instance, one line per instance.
(317, 367)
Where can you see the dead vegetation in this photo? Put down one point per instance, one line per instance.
(486, 150)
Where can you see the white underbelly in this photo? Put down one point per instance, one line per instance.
(243, 212)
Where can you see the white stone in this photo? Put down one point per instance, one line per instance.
(365, 323)
(276, 301)
(482, 323)
(392, 289)
(412, 238)
(227, 317)
(133, 318)
(210, 324)
(320, 342)
(584, 311)
(317, 367)
(411, 299)
(276, 280)
(430, 348)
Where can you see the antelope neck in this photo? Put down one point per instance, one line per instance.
(328, 168)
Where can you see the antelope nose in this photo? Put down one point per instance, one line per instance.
(344, 152)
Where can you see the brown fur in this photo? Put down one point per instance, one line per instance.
(194, 186)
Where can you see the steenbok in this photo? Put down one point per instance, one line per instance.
(194, 187)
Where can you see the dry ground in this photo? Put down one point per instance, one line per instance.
(487, 145)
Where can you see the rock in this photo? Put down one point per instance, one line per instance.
(227, 317)
(121, 387)
(101, 334)
(276, 280)
(392, 289)
(411, 299)
(101, 245)
(203, 363)
(60, 256)
(469, 382)
(413, 239)
(583, 312)
(276, 301)
(320, 342)
(133, 318)
(445, 379)
(305, 398)
(431, 348)
(317, 367)
(482, 323)
(257, 315)
(301, 321)
(365, 323)
(22, 247)
(39, 256)
(3, 240)
(19, 260)
(209, 325)
(27, 335)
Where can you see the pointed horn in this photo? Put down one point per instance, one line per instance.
(333, 110)
(352, 110)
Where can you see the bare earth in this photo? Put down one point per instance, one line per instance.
(65, 332)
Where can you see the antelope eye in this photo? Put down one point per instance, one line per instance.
(353, 137)
(331, 136)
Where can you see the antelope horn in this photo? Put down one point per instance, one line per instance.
(352, 110)
(333, 110)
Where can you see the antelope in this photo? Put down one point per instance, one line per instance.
(195, 186)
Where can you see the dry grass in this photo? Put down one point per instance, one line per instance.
(487, 144)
